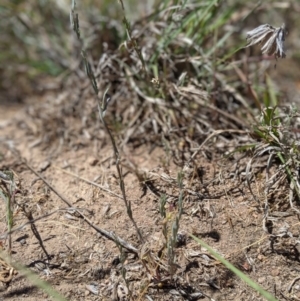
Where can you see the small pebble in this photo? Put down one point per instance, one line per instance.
(43, 166)
(93, 161)
(261, 257)
(275, 272)
(92, 288)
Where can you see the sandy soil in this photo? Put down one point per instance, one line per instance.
(84, 265)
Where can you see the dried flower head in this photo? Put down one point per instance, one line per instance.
(270, 37)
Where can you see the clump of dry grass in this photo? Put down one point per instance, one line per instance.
(276, 128)
(192, 99)
(195, 99)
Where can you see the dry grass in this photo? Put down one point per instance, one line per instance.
(179, 80)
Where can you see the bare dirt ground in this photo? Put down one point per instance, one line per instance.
(64, 169)
(84, 265)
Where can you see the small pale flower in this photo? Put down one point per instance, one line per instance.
(270, 37)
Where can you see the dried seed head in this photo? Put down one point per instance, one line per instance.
(155, 82)
(270, 37)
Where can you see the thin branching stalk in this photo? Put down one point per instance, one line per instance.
(123, 258)
(132, 41)
(172, 240)
(127, 202)
(102, 106)
(162, 210)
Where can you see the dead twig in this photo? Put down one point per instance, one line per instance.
(292, 284)
(35, 232)
(89, 182)
(213, 134)
(4, 235)
(102, 106)
(110, 235)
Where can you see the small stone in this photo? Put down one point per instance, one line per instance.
(297, 287)
(44, 166)
(261, 257)
(93, 288)
(93, 161)
(275, 272)
(261, 280)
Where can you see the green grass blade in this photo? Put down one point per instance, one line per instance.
(232, 268)
(34, 279)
